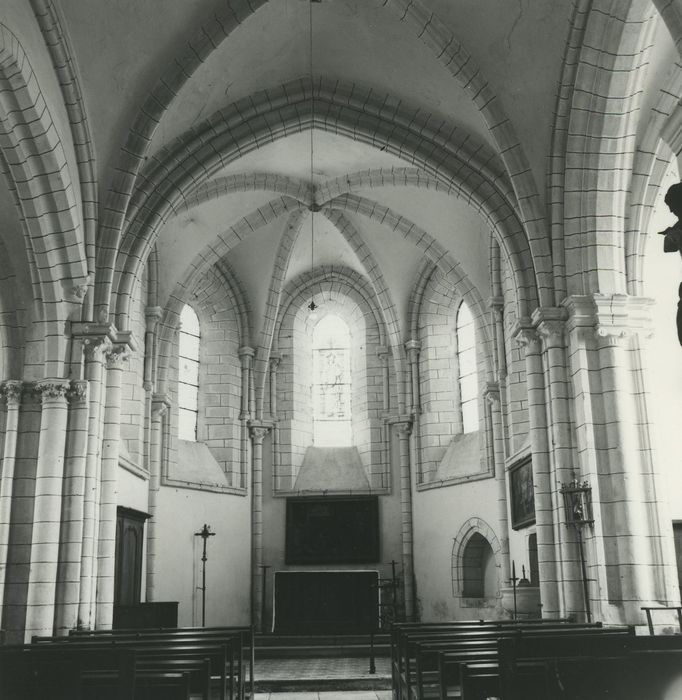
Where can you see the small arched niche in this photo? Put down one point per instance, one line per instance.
(476, 557)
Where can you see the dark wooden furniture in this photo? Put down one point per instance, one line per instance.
(325, 602)
(332, 530)
(108, 664)
(149, 615)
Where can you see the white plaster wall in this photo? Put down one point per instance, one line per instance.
(181, 513)
(438, 516)
(132, 491)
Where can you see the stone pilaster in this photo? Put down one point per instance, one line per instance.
(496, 304)
(413, 348)
(275, 359)
(527, 336)
(492, 397)
(96, 343)
(71, 540)
(47, 508)
(385, 451)
(111, 435)
(160, 409)
(403, 427)
(11, 392)
(633, 553)
(258, 432)
(551, 325)
(246, 355)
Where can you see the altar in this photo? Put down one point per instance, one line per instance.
(325, 602)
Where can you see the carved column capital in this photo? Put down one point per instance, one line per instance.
(12, 390)
(496, 305)
(52, 390)
(551, 324)
(403, 426)
(382, 353)
(78, 391)
(75, 290)
(117, 355)
(258, 431)
(413, 348)
(96, 347)
(274, 360)
(491, 393)
(152, 315)
(160, 405)
(526, 335)
(246, 353)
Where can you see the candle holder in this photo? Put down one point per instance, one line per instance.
(578, 504)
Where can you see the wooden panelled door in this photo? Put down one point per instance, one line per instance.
(129, 548)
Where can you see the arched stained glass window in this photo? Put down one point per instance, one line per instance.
(466, 368)
(331, 383)
(188, 374)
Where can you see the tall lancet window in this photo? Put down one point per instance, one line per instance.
(466, 368)
(331, 383)
(188, 374)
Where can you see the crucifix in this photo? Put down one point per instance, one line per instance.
(204, 534)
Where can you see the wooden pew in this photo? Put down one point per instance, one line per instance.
(158, 652)
(109, 666)
(463, 674)
(229, 634)
(415, 647)
(546, 666)
(401, 633)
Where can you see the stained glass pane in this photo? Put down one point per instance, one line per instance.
(467, 369)
(188, 374)
(332, 382)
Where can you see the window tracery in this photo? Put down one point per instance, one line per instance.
(188, 374)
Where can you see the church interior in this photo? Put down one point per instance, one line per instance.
(320, 316)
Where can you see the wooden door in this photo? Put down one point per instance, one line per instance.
(129, 548)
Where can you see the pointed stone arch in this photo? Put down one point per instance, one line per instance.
(480, 531)
(35, 163)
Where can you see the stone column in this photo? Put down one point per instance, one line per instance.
(413, 348)
(160, 406)
(500, 357)
(71, 540)
(275, 359)
(111, 435)
(404, 429)
(258, 433)
(47, 509)
(631, 551)
(246, 355)
(544, 498)
(152, 317)
(622, 492)
(94, 348)
(382, 354)
(492, 396)
(551, 325)
(11, 391)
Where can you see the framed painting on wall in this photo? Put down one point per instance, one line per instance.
(522, 494)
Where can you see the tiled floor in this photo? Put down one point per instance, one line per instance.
(342, 668)
(331, 695)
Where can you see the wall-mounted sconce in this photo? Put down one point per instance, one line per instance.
(578, 504)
